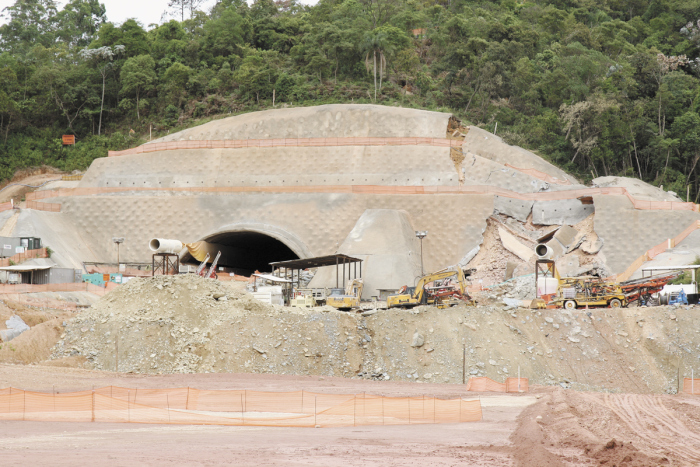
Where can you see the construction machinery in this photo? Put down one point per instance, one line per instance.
(303, 298)
(347, 299)
(574, 292)
(444, 288)
(211, 272)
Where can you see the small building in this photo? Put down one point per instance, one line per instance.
(10, 246)
(38, 271)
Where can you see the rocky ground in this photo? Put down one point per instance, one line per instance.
(186, 324)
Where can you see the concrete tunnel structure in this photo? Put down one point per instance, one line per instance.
(316, 197)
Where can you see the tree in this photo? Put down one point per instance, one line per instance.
(79, 21)
(29, 22)
(138, 76)
(180, 6)
(102, 57)
(376, 43)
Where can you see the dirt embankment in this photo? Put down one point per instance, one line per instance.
(35, 345)
(186, 324)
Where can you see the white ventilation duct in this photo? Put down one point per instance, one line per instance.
(162, 245)
(544, 251)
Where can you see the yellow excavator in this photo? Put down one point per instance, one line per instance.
(348, 300)
(444, 288)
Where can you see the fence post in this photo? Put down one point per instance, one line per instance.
(128, 408)
(315, 412)
(409, 409)
(93, 406)
(464, 364)
(187, 401)
(382, 409)
(24, 404)
(242, 413)
(167, 401)
(354, 410)
(434, 397)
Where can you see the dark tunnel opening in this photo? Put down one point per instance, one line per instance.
(246, 252)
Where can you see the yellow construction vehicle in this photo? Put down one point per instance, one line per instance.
(349, 299)
(443, 288)
(574, 292)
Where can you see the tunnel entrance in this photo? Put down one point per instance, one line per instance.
(244, 252)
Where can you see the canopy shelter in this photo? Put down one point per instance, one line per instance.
(348, 263)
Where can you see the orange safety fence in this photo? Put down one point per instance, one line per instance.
(484, 384)
(20, 257)
(691, 386)
(50, 207)
(286, 142)
(67, 287)
(6, 206)
(189, 406)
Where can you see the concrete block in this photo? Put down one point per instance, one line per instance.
(469, 256)
(515, 208)
(558, 249)
(568, 266)
(560, 212)
(510, 269)
(566, 235)
(512, 244)
(592, 246)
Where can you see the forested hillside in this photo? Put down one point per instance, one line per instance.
(599, 87)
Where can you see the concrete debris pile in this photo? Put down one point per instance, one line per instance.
(508, 250)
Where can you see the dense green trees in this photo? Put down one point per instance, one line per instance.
(600, 88)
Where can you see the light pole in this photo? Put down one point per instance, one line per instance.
(421, 234)
(118, 241)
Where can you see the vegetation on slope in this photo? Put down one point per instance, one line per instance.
(605, 87)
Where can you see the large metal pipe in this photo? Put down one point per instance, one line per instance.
(544, 251)
(163, 245)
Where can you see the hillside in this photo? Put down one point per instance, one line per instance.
(600, 89)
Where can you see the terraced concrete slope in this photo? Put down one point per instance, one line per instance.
(306, 201)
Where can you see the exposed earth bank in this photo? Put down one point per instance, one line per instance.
(186, 324)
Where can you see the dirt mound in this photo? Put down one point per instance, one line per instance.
(186, 324)
(34, 345)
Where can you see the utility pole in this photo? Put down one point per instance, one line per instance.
(421, 234)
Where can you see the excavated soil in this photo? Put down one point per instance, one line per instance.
(186, 324)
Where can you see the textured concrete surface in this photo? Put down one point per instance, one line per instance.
(324, 121)
(343, 165)
(637, 188)
(515, 208)
(628, 233)
(478, 170)
(489, 146)
(560, 212)
(683, 254)
(386, 242)
(310, 224)
(61, 235)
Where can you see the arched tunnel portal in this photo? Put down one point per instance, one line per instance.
(249, 248)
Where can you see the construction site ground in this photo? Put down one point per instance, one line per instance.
(549, 426)
(603, 382)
